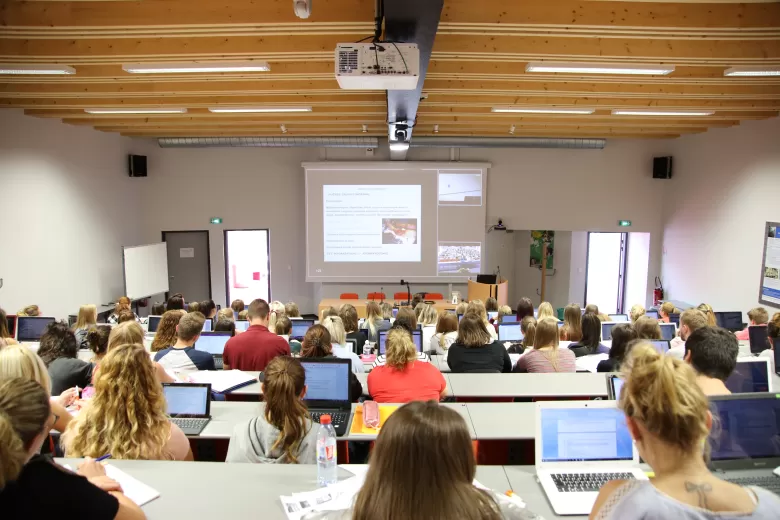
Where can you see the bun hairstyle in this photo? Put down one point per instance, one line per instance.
(661, 393)
(276, 312)
(284, 382)
(400, 349)
(24, 410)
(316, 342)
(97, 339)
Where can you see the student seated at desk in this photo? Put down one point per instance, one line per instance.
(546, 356)
(175, 303)
(165, 336)
(709, 312)
(504, 310)
(637, 311)
(622, 336)
(237, 306)
(122, 304)
(349, 317)
(329, 311)
(446, 334)
(402, 379)
(291, 310)
(30, 310)
(478, 308)
(528, 328)
(665, 310)
(524, 308)
(374, 322)
(4, 332)
(591, 308)
(59, 351)
(257, 346)
(225, 315)
(183, 355)
(317, 345)
(158, 309)
(387, 311)
(223, 325)
(209, 309)
(546, 311)
(276, 311)
(757, 316)
(690, 321)
(32, 486)
(476, 351)
(283, 330)
(591, 334)
(339, 347)
(87, 319)
(491, 304)
(572, 323)
(712, 352)
(97, 340)
(647, 328)
(243, 315)
(423, 467)
(427, 319)
(109, 425)
(283, 433)
(669, 419)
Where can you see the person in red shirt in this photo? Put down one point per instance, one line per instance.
(404, 377)
(257, 346)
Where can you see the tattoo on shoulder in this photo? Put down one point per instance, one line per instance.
(701, 490)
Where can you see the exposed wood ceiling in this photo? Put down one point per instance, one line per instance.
(479, 59)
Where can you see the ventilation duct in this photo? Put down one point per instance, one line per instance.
(507, 142)
(268, 142)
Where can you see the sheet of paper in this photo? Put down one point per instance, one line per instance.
(221, 380)
(133, 488)
(591, 362)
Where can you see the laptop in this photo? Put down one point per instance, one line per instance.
(11, 321)
(614, 386)
(189, 405)
(622, 318)
(730, 320)
(606, 330)
(299, 328)
(749, 376)
(746, 451)
(759, 338)
(327, 382)
(242, 325)
(509, 332)
(152, 323)
(395, 312)
(416, 337)
(661, 345)
(352, 345)
(214, 344)
(674, 318)
(29, 329)
(652, 314)
(207, 325)
(580, 445)
(509, 318)
(492, 315)
(668, 331)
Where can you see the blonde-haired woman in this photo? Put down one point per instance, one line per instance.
(637, 311)
(669, 419)
(225, 315)
(387, 311)
(478, 308)
(165, 336)
(86, 320)
(276, 312)
(374, 321)
(461, 308)
(428, 318)
(339, 347)
(291, 310)
(572, 323)
(546, 311)
(706, 308)
(402, 378)
(546, 356)
(504, 310)
(30, 310)
(127, 332)
(665, 310)
(126, 418)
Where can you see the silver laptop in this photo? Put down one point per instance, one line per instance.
(242, 325)
(750, 375)
(668, 331)
(189, 405)
(622, 318)
(606, 330)
(580, 445)
(214, 344)
(29, 329)
(152, 323)
(510, 332)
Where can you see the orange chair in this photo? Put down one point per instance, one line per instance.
(349, 296)
(376, 296)
(434, 296)
(399, 296)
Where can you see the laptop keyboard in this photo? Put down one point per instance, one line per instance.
(585, 482)
(189, 423)
(336, 418)
(218, 362)
(770, 483)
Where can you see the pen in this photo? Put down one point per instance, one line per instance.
(104, 457)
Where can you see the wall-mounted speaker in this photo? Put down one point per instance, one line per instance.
(662, 168)
(137, 165)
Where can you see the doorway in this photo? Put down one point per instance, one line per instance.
(189, 264)
(605, 271)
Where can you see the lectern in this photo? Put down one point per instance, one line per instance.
(483, 291)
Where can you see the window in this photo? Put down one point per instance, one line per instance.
(247, 264)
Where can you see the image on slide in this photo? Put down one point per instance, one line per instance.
(460, 189)
(772, 272)
(459, 258)
(399, 231)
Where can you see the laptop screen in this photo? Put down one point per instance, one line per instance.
(187, 399)
(606, 330)
(30, 328)
(460, 317)
(674, 318)
(661, 345)
(213, 342)
(509, 318)
(242, 325)
(652, 314)
(153, 323)
(616, 385)
(510, 332)
(750, 427)
(668, 331)
(492, 315)
(749, 376)
(326, 381)
(395, 312)
(299, 328)
(584, 434)
(416, 337)
(621, 318)
(729, 320)
(759, 338)
(207, 325)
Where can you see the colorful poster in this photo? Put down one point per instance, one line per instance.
(537, 240)
(770, 268)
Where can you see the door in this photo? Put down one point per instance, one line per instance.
(606, 267)
(189, 265)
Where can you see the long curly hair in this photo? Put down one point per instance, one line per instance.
(126, 418)
(166, 330)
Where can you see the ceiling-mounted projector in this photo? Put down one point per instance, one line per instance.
(377, 66)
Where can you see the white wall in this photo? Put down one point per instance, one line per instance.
(68, 207)
(724, 188)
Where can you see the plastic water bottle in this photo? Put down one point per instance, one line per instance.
(327, 470)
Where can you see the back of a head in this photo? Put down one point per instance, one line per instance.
(661, 393)
(428, 315)
(524, 308)
(276, 311)
(706, 308)
(190, 326)
(330, 311)
(336, 329)
(18, 361)
(283, 385)
(528, 328)
(158, 308)
(546, 333)
(30, 310)
(504, 310)
(773, 328)
(97, 339)
(166, 331)
(472, 331)
(418, 309)
(125, 315)
(758, 315)
(592, 308)
(243, 315)
(349, 317)
(224, 325)
(621, 336)
(491, 304)
(373, 312)
(694, 319)
(387, 311)
(478, 308)
(127, 332)
(400, 349)
(406, 318)
(24, 411)
(291, 310)
(207, 307)
(316, 343)
(225, 314)
(431, 442)
(258, 310)
(647, 328)
(591, 331)
(637, 311)
(237, 305)
(283, 326)
(57, 341)
(194, 307)
(87, 316)
(667, 308)
(175, 303)
(447, 322)
(461, 308)
(572, 319)
(416, 300)
(714, 352)
(546, 311)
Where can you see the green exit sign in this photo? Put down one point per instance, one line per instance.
(217, 220)
(621, 223)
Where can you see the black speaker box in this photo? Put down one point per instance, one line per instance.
(137, 165)
(662, 168)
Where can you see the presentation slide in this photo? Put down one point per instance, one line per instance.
(380, 222)
(770, 275)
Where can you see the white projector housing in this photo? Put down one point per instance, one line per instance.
(377, 66)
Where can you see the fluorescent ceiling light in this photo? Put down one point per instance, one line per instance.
(599, 68)
(752, 71)
(682, 113)
(520, 110)
(170, 68)
(399, 146)
(135, 110)
(238, 110)
(15, 68)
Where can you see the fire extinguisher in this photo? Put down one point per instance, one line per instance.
(658, 292)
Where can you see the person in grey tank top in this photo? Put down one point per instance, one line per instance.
(669, 418)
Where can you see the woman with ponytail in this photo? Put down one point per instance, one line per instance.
(277, 311)
(669, 419)
(33, 487)
(283, 433)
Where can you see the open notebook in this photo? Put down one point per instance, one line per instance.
(132, 488)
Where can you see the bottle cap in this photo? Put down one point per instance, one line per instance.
(325, 419)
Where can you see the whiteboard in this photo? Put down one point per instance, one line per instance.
(145, 269)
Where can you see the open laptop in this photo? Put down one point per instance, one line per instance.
(207, 325)
(729, 320)
(299, 328)
(614, 386)
(214, 344)
(747, 449)
(492, 315)
(152, 323)
(750, 375)
(652, 314)
(509, 318)
(621, 318)
(661, 345)
(509, 332)
(242, 325)
(416, 337)
(327, 382)
(668, 331)
(580, 445)
(606, 330)
(189, 405)
(29, 329)
(674, 318)
(759, 338)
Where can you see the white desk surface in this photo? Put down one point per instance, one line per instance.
(528, 385)
(236, 491)
(503, 421)
(524, 483)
